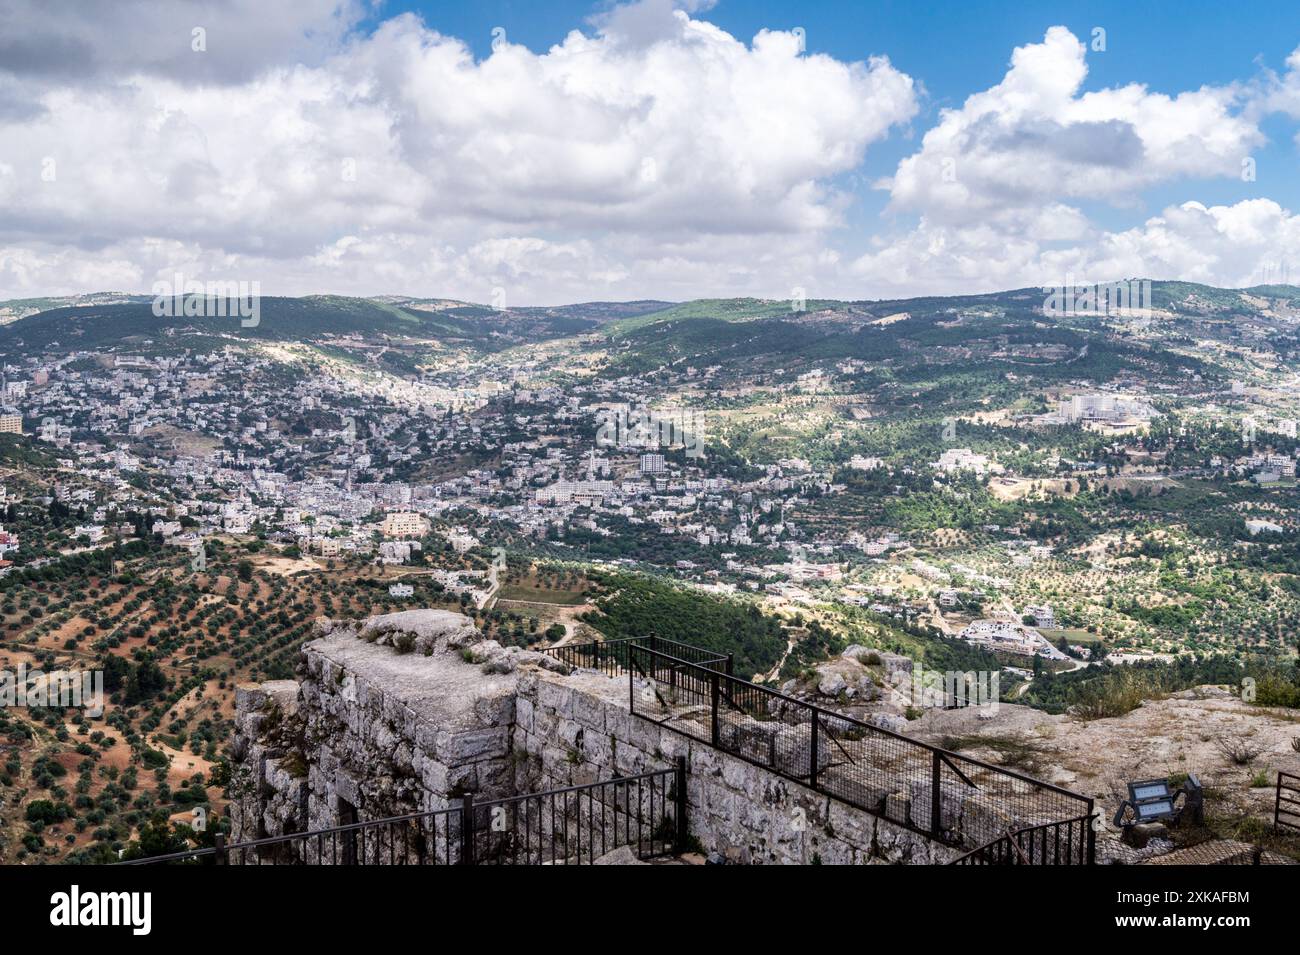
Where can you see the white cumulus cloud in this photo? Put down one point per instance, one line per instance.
(396, 161)
(999, 185)
(1035, 138)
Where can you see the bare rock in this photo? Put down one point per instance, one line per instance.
(424, 631)
(1138, 836)
(860, 654)
(888, 721)
(832, 685)
(500, 663)
(623, 855)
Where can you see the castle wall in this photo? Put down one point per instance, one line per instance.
(577, 730)
(392, 733)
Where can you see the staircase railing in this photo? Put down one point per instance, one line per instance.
(1286, 807)
(1067, 842)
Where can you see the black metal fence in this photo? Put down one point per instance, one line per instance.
(949, 797)
(956, 800)
(1068, 842)
(1286, 809)
(613, 657)
(573, 826)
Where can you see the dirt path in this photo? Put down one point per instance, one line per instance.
(775, 671)
(494, 584)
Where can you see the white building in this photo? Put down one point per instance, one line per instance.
(1263, 527)
(462, 541)
(1042, 615)
(1101, 409)
(405, 524)
(964, 459)
(569, 492)
(653, 464)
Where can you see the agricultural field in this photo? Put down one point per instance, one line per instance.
(172, 645)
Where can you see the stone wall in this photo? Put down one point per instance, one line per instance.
(577, 730)
(410, 711)
(384, 727)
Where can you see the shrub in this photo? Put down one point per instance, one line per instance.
(1115, 695)
(1239, 751)
(1273, 690)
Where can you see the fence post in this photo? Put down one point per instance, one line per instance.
(1092, 834)
(936, 800)
(223, 856)
(730, 672)
(467, 829)
(812, 751)
(682, 833)
(713, 707)
(1277, 805)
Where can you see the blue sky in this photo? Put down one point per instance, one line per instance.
(956, 49)
(672, 149)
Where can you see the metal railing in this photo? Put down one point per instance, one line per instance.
(1286, 808)
(1068, 842)
(612, 657)
(572, 826)
(948, 797)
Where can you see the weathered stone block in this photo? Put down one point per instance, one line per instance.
(471, 745)
(524, 714)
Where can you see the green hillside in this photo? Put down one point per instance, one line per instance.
(995, 331)
(134, 325)
(101, 326)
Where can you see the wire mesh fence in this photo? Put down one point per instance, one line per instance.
(951, 798)
(612, 657)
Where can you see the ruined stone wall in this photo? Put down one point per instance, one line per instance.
(393, 726)
(577, 730)
(373, 723)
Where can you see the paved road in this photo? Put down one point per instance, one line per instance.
(1078, 665)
